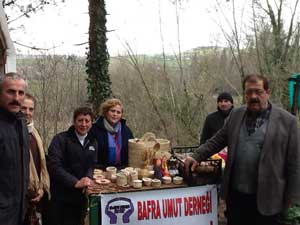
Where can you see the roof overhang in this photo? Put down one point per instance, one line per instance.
(7, 49)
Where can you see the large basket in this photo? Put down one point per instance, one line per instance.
(142, 151)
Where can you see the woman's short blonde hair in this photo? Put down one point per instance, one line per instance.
(108, 104)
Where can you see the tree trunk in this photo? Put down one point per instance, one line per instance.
(99, 84)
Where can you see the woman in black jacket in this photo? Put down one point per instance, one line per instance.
(112, 135)
(71, 157)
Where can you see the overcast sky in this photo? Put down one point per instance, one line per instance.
(133, 21)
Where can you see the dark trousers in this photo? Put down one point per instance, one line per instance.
(46, 217)
(67, 214)
(42, 207)
(242, 210)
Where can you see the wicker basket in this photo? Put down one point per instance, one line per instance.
(142, 151)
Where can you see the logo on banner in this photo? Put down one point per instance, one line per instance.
(122, 206)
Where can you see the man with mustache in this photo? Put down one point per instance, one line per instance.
(14, 154)
(262, 173)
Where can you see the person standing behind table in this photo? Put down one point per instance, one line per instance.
(112, 135)
(262, 173)
(14, 153)
(215, 121)
(71, 158)
(39, 183)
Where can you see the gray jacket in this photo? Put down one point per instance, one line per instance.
(279, 163)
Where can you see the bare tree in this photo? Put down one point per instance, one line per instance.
(51, 80)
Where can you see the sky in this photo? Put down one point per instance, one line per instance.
(132, 22)
(147, 26)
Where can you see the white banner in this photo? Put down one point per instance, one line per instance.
(188, 205)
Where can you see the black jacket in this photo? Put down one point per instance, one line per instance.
(213, 122)
(68, 161)
(98, 130)
(14, 167)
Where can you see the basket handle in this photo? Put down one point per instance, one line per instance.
(156, 146)
(148, 137)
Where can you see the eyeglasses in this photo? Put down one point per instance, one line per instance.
(254, 91)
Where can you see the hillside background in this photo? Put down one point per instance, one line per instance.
(170, 94)
(160, 95)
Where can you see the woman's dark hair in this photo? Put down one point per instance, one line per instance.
(83, 111)
(31, 97)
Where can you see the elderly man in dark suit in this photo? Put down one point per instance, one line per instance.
(262, 174)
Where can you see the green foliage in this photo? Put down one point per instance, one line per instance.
(99, 84)
(292, 216)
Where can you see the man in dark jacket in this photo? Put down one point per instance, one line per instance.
(215, 120)
(14, 153)
(71, 158)
(262, 173)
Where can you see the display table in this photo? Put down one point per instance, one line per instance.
(169, 204)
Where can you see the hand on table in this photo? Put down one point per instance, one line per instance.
(190, 165)
(83, 183)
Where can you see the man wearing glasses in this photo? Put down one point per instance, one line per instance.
(262, 173)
